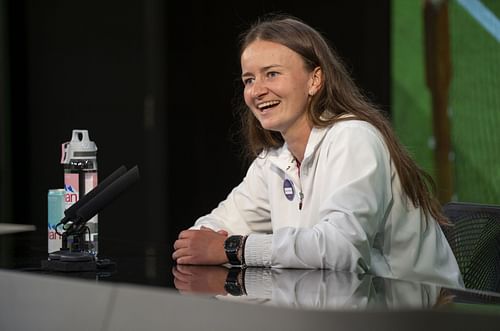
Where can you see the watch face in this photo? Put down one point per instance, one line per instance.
(231, 246)
(232, 243)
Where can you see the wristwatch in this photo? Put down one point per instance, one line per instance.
(231, 246)
(232, 285)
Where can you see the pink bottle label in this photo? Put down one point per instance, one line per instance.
(71, 188)
(90, 181)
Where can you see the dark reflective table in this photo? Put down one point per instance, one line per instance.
(144, 290)
(135, 262)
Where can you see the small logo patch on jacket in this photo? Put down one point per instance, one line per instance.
(288, 189)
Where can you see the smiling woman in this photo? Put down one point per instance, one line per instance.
(278, 88)
(330, 186)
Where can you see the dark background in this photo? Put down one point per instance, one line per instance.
(153, 81)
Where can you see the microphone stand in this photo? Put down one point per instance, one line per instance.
(75, 246)
(74, 236)
(74, 254)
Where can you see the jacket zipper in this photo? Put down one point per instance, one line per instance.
(301, 194)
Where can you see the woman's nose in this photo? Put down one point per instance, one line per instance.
(258, 89)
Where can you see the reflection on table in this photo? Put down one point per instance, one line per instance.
(312, 289)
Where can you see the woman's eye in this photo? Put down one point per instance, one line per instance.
(247, 81)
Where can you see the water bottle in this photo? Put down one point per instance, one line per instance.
(79, 159)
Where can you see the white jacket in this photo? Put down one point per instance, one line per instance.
(354, 215)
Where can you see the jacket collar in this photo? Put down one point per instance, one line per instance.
(283, 158)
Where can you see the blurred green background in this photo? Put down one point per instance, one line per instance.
(474, 96)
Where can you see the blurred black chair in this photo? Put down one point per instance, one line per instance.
(474, 237)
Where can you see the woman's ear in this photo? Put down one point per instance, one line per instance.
(316, 81)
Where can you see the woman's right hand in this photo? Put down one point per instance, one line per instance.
(204, 246)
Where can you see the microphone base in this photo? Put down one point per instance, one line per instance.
(70, 261)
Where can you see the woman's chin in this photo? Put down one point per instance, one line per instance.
(270, 128)
(268, 125)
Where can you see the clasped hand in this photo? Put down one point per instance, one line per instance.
(204, 246)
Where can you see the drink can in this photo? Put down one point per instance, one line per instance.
(55, 208)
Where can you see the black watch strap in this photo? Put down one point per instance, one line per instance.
(231, 246)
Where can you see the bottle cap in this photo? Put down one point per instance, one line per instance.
(80, 147)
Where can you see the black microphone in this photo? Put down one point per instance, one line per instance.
(105, 197)
(70, 213)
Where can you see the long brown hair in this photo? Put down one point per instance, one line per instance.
(338, 96)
